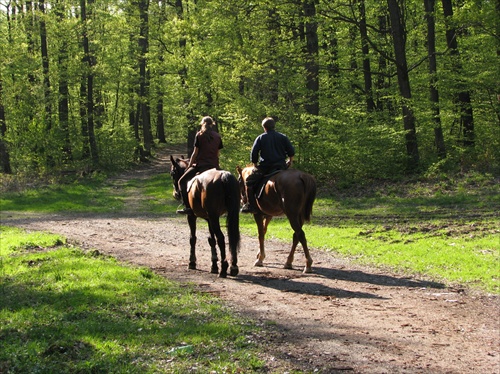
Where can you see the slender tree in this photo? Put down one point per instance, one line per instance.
(4, 151)
(45, 67)
(434, 93)
(63, 86)
(144, 107)
(399, 42)
(367, 73)
(463, 96)
(160, 122)
(311, 57)
(87, 86)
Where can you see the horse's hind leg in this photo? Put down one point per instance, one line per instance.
(211, 241)
(234, 270)
(217, 233)
(298, 236)
(289, 260)
(302, 238)
(192, 242)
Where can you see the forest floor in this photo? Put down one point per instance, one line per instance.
(342, 318)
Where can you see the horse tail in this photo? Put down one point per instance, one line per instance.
(232, 200)
(310, 192)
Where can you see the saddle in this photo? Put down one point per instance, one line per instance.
(259, 186)
(190, 182)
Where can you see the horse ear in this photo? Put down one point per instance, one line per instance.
(174, 162)
(238, 169)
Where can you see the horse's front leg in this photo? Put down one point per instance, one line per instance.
(192, 242)
(262, 223)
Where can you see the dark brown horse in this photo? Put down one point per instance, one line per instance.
(289, 192)
(212, 194)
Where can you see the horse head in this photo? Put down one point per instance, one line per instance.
(177, 168)
(243, 173)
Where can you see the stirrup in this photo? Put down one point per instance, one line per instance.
(185, 210)
(248, 209)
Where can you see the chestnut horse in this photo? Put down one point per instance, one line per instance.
(289, 192)
(212, 194)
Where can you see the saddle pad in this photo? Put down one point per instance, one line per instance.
(262, 183)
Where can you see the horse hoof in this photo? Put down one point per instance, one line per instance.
(258, 263)
(223, 275)
(192, 266)
(288, 266)
(214, 270)
(234, 271)
(307, 271)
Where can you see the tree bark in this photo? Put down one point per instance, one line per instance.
(399, 41)
(145, 111)
(273, 28)
(45, 67)
(367, 74)
(463, 96)
(87, 88)
(312, 51)
(63, 100)
(4, 151)
(434, 93)
(160, 122)
(382, 83)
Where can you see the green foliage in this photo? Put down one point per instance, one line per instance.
(239, 63)
(67, 311)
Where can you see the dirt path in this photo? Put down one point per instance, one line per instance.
(342, 318)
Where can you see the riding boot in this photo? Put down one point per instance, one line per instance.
(186, 209)
(251, 205)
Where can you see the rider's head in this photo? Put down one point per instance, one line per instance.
(206, 123)
(268, 123)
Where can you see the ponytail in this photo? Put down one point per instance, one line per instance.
(207, 125)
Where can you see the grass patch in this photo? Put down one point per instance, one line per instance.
(91, 196)
(451, 234)
(158, 192)
(446, 229)
(65, 311)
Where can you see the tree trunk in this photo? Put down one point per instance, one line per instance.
(382, 83)
(160, 122)
(434, 93)
(463, 97)
(63, 101)
(88, 83)
(45, 67)
(145, 112)
(367, 74)
(4, 151)
(183, 72)
(312, 51)
(399, 41)
(273, 26)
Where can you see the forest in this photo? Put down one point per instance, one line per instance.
(365, 89)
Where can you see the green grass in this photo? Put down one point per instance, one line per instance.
(87, 196)
(64, 310)
(448, 236)
(445, 229)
